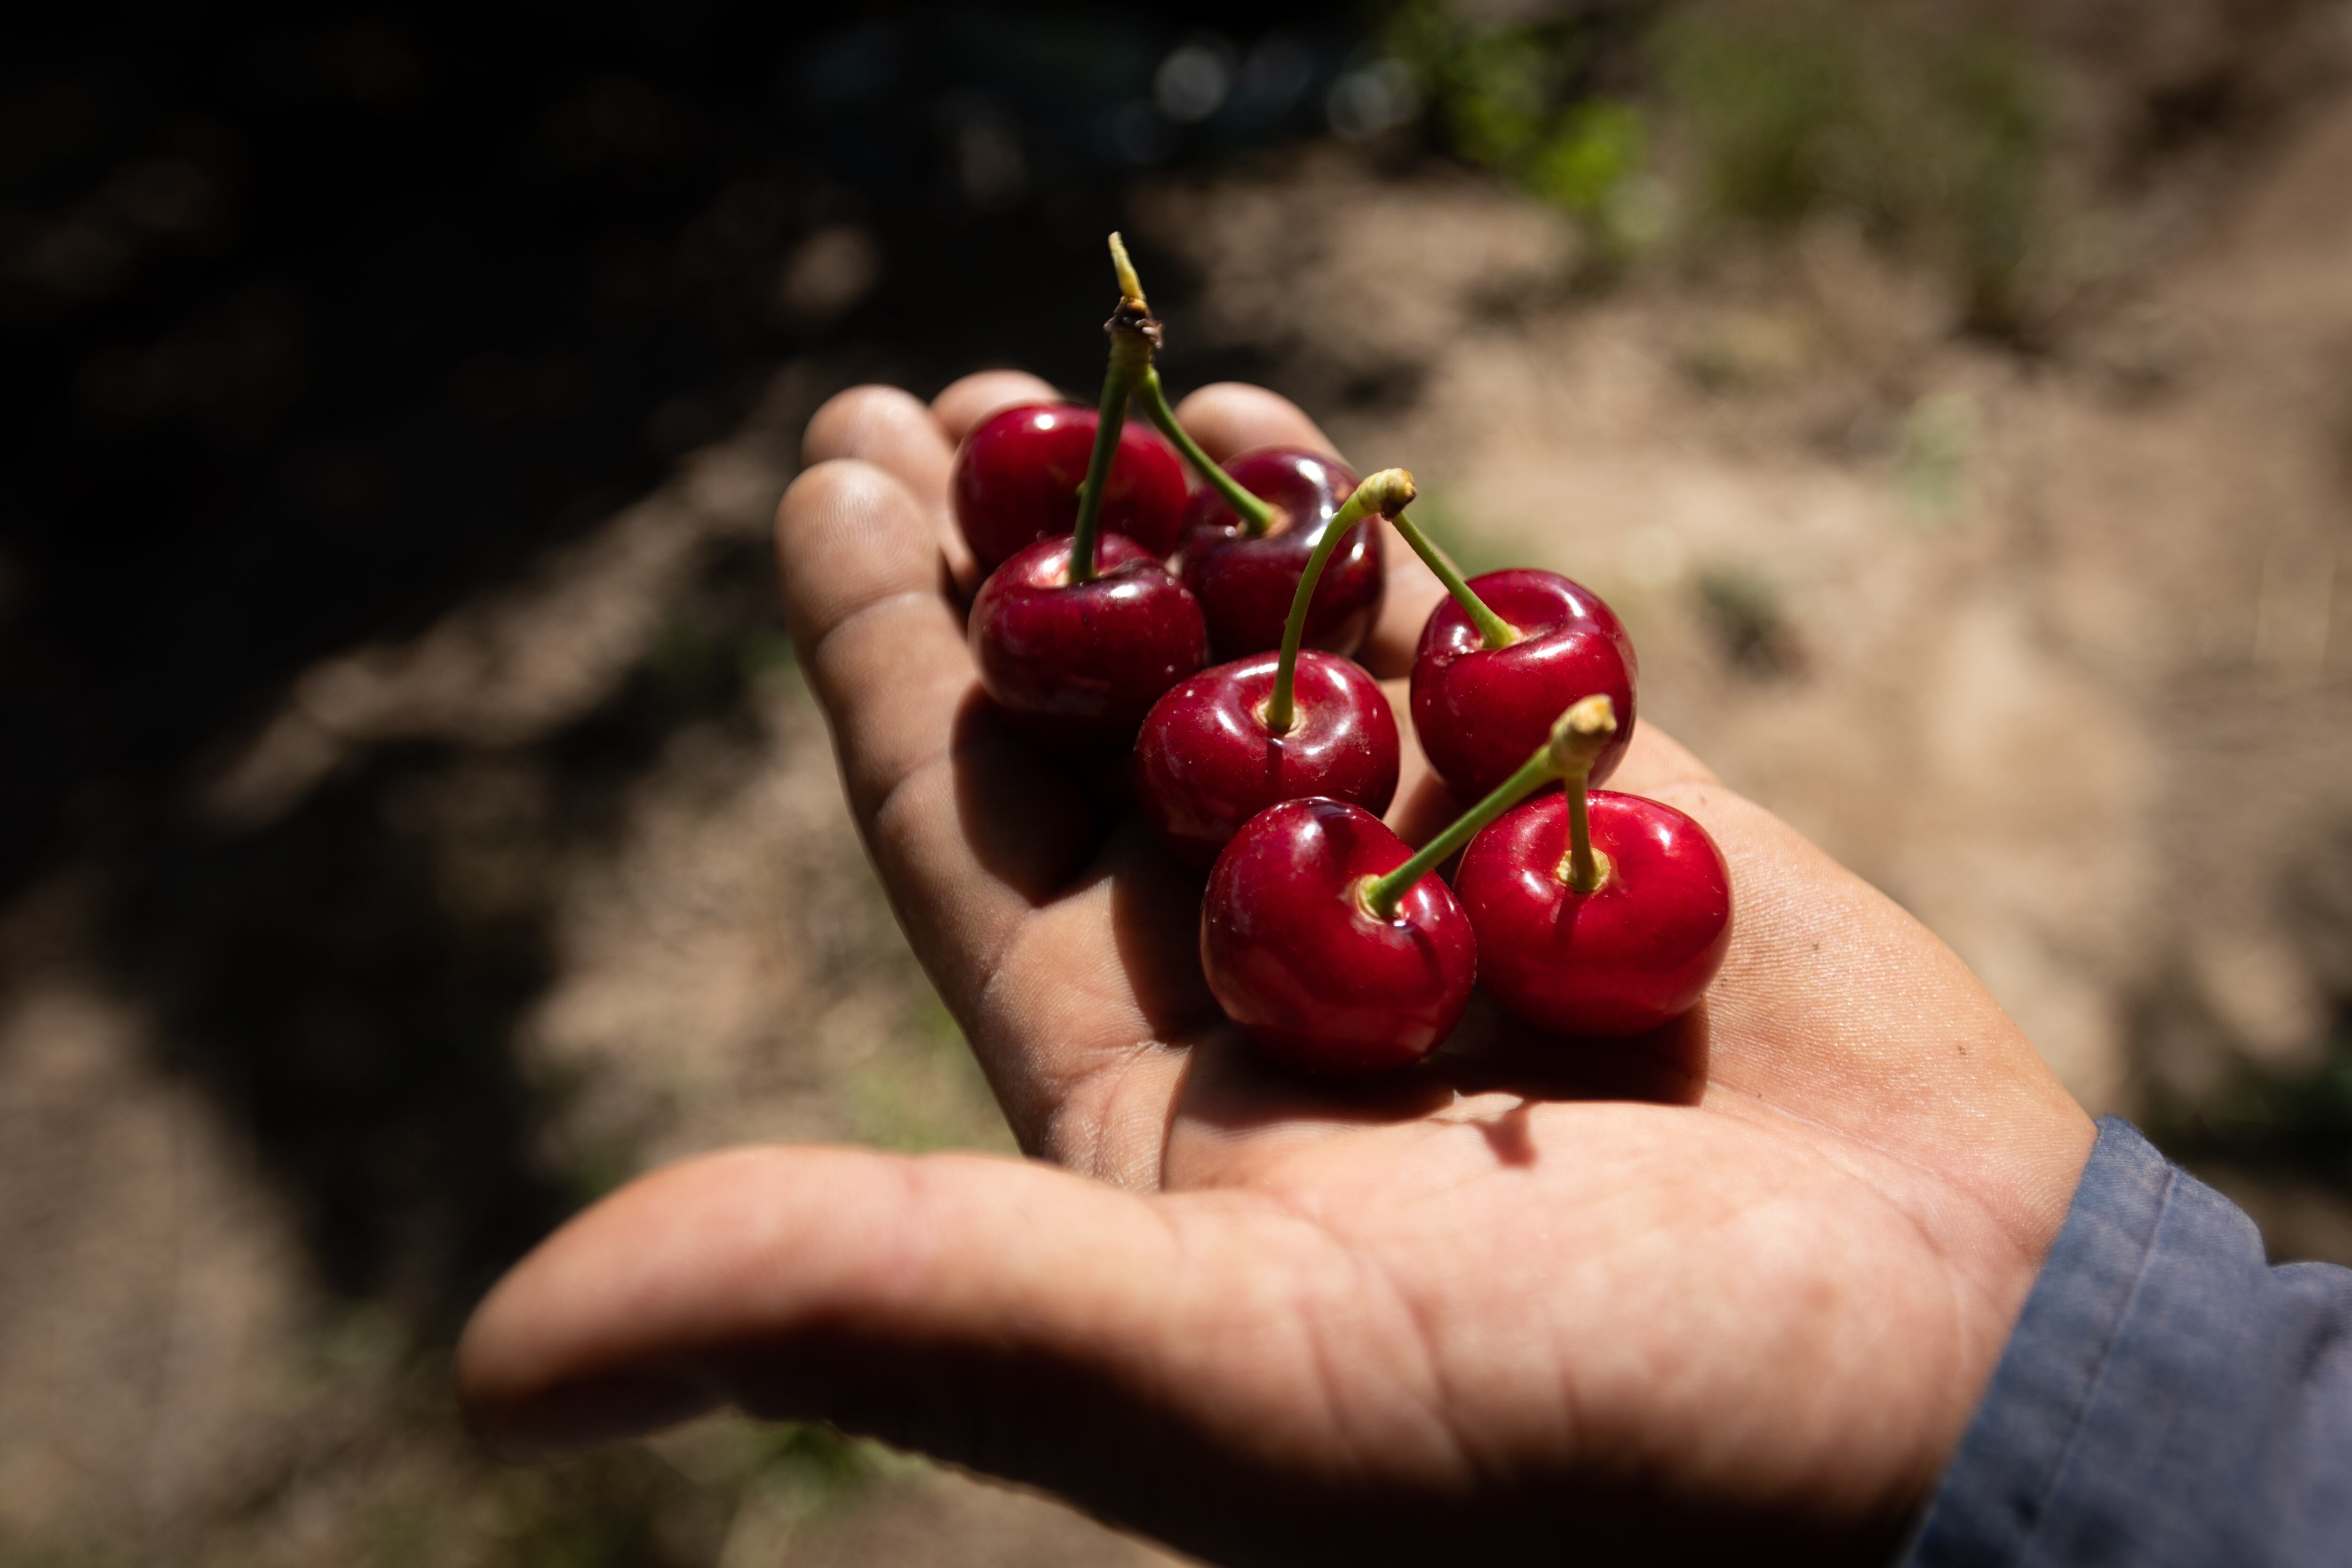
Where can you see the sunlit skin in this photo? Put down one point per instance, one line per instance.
(1727, 1293)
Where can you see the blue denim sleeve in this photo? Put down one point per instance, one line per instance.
(2168, 1399)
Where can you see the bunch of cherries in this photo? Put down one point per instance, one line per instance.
(1333, 944)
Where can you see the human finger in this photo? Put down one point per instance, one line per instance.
(897, 432)
(1145, 1356)
(1422, 805)
(970, 830)
(966, 402)
(1228, 417)
(640, 1304)
(952, 413)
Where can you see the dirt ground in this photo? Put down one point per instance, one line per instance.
(2052, 640)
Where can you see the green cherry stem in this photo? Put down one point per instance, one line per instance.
(1492, 628)
(1388, 492)
(1577, 737)
(1256, 515)
(1584, 867)
(1133, 332)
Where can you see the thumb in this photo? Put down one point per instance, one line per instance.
(1124, 1350)
(718, 1279)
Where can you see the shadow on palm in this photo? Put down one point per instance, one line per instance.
(1494, 1074)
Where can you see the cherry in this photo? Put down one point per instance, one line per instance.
(1245, 571)
(1075, 637)
(1625, 956)
(1077, 661)
(1206, 762)
(1333, 948)
(1602, 915)
(1322, 956)
(1018, 472)
(1233, 739)
(1247, 536)
(1504, 655)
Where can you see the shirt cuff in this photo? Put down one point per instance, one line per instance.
(2168, 1398)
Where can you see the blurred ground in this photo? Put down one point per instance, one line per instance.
(354, 935)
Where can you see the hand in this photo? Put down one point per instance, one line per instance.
(1732, 1288)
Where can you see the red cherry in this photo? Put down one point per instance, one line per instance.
(1298, 960)
(1479, 710)
(1017, 476)
(1245, 582)
(1634, 954)
(1078, 664)
(1206, 762)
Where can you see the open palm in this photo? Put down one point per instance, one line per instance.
(1731, 1288)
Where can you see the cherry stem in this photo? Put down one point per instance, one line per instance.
(1256, 515)
(1130, 286)
(1494, 629)
(1581, 869)
(1388, 492)
(1134, 334)
(1577, 737)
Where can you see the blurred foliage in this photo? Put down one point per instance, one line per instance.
(767, 659)
(1749, 622)
(818, 1467)
(1643, 121)
(1939, 449)
(1928, 129)
(1535, 100)
(629, 1507)
(2300, 1120)
(1727, 350)
(927, 1093)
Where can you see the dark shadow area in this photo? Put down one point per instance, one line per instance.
(347, 979)
(320, 329)
(314, 330)
(1029, 816)
(1155, 925)
(1232, 1087)
(1507, 1135)
(1494, 1053)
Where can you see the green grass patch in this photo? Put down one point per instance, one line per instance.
(1930, 129)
